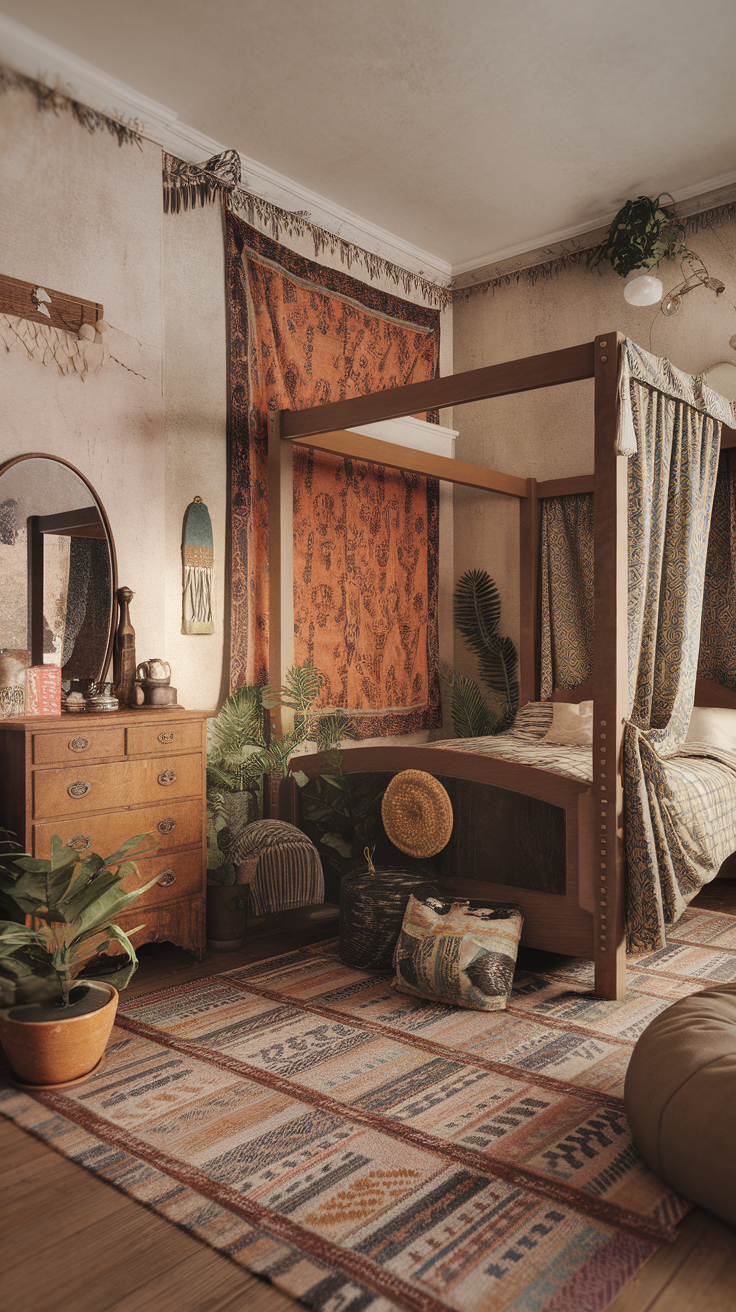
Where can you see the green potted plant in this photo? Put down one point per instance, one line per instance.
(477, 612)
(54, 1025)
(247, 756)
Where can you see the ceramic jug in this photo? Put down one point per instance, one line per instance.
(154, 673)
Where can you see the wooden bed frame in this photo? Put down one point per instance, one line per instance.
(589, 918)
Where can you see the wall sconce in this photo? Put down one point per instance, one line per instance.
(698, 277)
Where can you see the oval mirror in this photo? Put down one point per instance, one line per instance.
(57, 567)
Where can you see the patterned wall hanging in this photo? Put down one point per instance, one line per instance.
(198, 559)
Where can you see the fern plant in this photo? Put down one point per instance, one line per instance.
(477, 612)
(244, 747)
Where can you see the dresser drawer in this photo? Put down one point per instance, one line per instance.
(180, 875)
(75, 791)
(77, 744)
(176, 825)
(170, 737)
(176, 922)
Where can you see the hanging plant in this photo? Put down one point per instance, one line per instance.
(642, 234)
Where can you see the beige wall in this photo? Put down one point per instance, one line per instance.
(82, 215)
(549, 433)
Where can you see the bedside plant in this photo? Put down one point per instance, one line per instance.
(477, 612)
(244, 749)
(72, 901)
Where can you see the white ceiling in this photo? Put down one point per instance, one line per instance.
(469, 128)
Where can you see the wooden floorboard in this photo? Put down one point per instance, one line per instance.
(69, 1239)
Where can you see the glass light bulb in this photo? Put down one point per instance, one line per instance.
(643, 290)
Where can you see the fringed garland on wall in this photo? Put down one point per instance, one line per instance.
(198, 560)
(187, 186)
(53, 346)
(534, 273)
(50, 101)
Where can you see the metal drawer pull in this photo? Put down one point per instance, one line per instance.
(166, 826)
(80, 842)
(79, 744)
(167, 777)
(79, 789)
(166, 737)
(167, 878)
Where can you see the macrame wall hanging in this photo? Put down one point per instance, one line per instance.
(198, 559)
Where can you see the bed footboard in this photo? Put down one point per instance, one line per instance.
(559, 910)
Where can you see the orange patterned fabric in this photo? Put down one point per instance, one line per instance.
(363, 586)
(366, 540)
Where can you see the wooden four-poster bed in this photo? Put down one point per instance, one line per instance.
(588, 918)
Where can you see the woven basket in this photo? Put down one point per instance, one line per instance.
(417, 813)
(372, 906)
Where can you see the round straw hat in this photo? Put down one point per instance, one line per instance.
(417, 813)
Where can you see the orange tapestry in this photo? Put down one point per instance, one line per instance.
(366, 539)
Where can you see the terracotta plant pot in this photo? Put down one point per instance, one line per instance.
(51, 1052)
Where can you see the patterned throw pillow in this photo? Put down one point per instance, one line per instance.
(459, 952)
(532, 721)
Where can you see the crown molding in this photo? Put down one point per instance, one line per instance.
(688, 202)
(31, 54)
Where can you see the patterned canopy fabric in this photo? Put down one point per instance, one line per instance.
(366, 540)
(718, 638)
(672, 480)
(568, 624)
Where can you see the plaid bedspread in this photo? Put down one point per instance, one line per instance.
(575, 762)
(690, 822)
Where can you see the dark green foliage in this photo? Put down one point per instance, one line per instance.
(341, 813)
(477, 609)
(241, 750)
(472, 717)
(642, 234)
(72, 900)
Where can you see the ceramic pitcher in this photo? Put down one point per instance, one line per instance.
(154, 672)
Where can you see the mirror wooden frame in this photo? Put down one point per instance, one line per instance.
(37, 565)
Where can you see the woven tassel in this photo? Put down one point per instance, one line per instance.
(626, 444)
(198, 559)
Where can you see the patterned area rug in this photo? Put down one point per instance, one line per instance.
(367, 1151)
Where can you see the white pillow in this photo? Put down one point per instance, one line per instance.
(715, 725)
(572, 723)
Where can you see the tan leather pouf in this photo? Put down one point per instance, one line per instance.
(681, 1096)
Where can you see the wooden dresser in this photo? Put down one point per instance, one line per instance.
(98, 779)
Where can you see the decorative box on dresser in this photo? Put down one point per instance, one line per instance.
(98, 779)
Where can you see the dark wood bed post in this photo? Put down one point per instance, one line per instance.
(611, 675)
(274, 557)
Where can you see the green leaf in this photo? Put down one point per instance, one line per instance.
(332, 728)
(477, 608)
(300, 778)
(472, 717)
(338, 842)
(127, 847)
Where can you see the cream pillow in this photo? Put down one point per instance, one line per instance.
(715, 725)
(572, 723)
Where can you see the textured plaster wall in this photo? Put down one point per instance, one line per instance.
(549, 433)
(80, 214)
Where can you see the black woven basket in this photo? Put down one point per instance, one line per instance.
(372, 907)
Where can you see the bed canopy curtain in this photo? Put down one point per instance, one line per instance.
(567, 590)
(718, 637)
(674, 423)
(366, 539)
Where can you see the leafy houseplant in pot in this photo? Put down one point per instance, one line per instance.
(54, 1025)
(246, 754)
